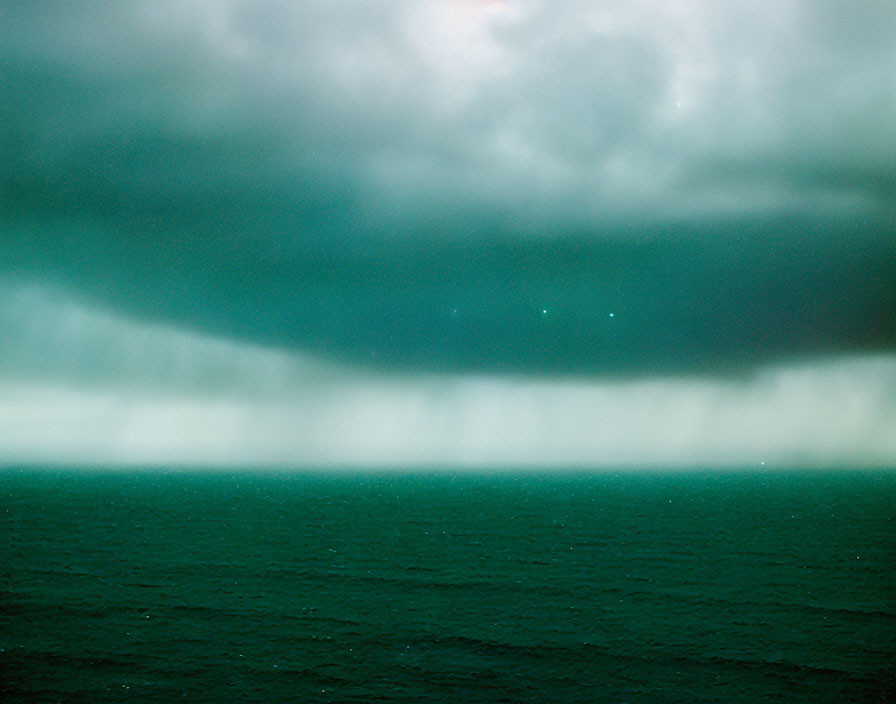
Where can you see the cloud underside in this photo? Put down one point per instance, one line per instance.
(565, 308)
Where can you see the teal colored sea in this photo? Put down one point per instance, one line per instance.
(224, 586)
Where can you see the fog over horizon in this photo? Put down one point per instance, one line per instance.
(449, 234)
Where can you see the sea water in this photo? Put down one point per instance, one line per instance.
(161, 586)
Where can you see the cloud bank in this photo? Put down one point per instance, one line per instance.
(438, 217)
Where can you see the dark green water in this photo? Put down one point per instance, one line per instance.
(225, 587)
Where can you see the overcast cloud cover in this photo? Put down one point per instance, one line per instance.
(442, 233)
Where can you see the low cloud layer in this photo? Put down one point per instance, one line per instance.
(110, 390)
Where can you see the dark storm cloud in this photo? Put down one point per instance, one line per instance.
(463, 186)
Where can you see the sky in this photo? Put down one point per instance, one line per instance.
(448, 233)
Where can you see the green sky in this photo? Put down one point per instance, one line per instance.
(449, 232)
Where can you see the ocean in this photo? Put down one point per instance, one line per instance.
(226, 586)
